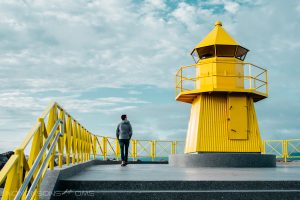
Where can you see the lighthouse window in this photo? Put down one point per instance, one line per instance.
(225, 50)
(195, 56)
(241, 53)
(206, 52)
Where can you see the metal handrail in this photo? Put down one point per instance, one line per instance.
(180, 78)
(42, 168)
(226, 62)
(38, 159)
(30, 135)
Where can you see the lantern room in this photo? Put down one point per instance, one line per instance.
(218, 43)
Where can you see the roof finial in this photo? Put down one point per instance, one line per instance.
(218, 23)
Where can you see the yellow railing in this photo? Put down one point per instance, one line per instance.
(54, 136)
(108, 148)
(57, 135)
(255, 77)
(283, 149)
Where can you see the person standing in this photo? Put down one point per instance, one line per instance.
(124, 134)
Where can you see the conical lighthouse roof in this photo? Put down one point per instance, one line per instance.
(217, 36)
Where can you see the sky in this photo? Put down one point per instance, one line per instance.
(100, 59)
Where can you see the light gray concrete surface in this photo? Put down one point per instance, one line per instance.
(1, 191)
(166, 172)
(52, 176)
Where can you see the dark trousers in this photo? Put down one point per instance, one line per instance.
(124, 144)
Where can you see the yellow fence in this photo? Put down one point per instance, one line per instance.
(54, 137)
(283, 149)
(108, 148)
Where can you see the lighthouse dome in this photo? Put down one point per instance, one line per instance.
(218, 43)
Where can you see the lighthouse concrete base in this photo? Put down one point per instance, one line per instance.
(223, 160)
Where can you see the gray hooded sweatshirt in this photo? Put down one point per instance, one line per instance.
(124, 130)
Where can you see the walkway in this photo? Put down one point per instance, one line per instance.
(149, 172)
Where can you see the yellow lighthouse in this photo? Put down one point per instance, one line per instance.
(222, 89)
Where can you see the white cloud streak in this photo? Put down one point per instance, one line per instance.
(72, 47)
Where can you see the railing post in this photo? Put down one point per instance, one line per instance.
(134, 149)
(59, 142)
(79, 146)
(117, 149)
(90, 146)
(51, 160)
(153, 149)
(181, 79)
(52, 118)
(104, 142)
(264, 146)
(176, 83)
(12, 183)
(67, 138)
(85, 146)
(73, 141)
(174, 144)
(250, 76)
(74, 155)
(285, 155)
(94, 146)
(267, 86)
(254, 82)
(20, 163)
(67, 158)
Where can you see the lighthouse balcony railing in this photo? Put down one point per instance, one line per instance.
(250, 78)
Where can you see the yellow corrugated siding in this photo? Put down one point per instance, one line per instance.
(210, 112)
(191, 143)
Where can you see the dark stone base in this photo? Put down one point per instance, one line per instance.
(223, 160)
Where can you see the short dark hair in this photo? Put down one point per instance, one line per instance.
(123, 117)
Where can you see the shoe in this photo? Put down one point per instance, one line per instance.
(126, 163)
(123, 164)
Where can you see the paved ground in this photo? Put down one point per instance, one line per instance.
(165, 172)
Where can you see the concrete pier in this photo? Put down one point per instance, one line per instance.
(145, 172)
(162, 181)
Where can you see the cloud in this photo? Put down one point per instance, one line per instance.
(231, 7)
(17, 100)
(135, 92)
(102, 58)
